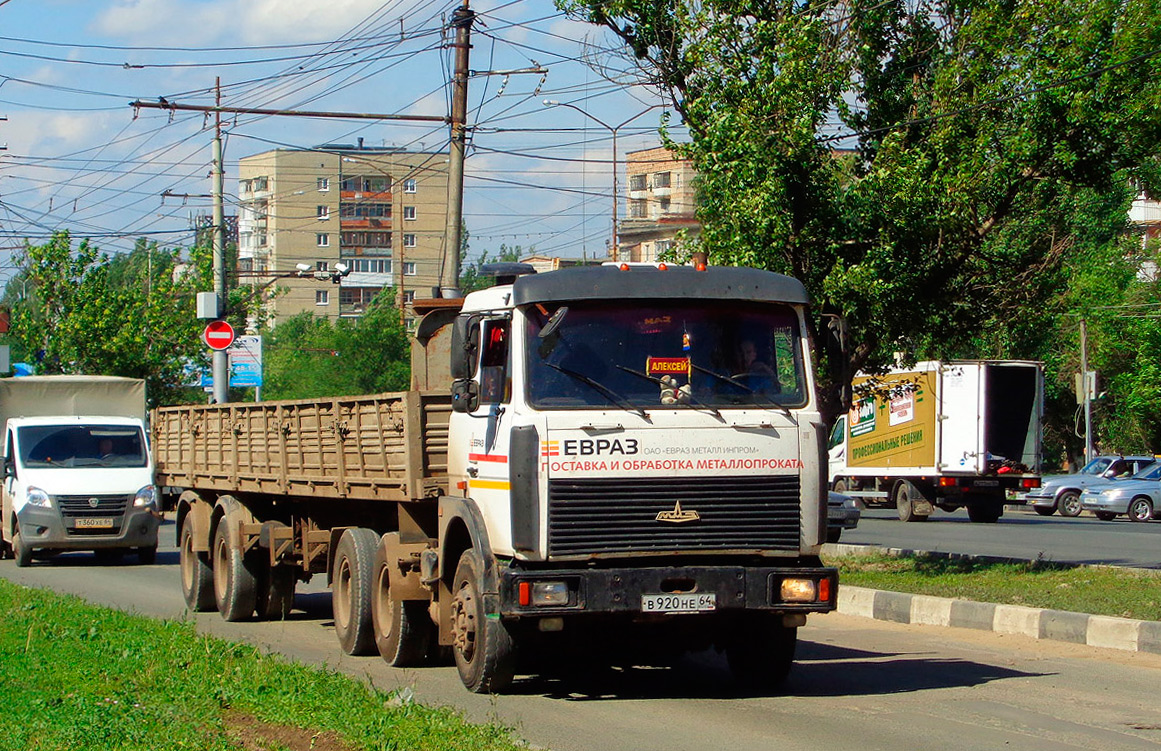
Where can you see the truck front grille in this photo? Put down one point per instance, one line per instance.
(594, 516)
(74, 506)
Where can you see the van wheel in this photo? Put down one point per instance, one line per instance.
(484, 650)
(351, 585)
(402, 627)
(905, 496)
(197, 582)
(235, 586)
(21, 552)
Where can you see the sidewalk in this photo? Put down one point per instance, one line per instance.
(1038, 623)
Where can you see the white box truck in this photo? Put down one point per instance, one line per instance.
(950, 434)
(78, 473)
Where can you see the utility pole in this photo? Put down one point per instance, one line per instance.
(1084, 385)
(449, 274)
(221, 366)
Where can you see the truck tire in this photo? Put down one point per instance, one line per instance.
(1068, 504)
(402, 627)
(197, 580)
(235, 586)
(906, 495)
(1141, 510)
(484, 650)
(985, 513)
(275, 592)
(761, 652)
(840, 485)
(351, 585)
(21, 552)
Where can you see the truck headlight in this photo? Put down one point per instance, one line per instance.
(147, 496)
(37, 497)
(798, 590)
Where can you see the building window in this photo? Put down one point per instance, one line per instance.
(409, 268)
(324, 213)
(322, 297)
(661, 180)
(664, 205)
(322, 265)
(637, 208)
(262, 240)
(636, 182)
(260, 183)
(365, 210)
(408, 296)
(371, 265)
(409, 185)
(323, 240)
(409, 212)
(356, 299)
(324, 184)
(409, 241)
(409, 323)
(366, 184)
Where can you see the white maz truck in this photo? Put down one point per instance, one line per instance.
(78, 474)
(944, 434)
(624, 463)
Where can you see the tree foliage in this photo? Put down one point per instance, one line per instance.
(471, 278)
(928, 168)
(308, 356)
(76, 309)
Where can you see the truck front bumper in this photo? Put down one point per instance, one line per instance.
(621, 590)
(45, 529)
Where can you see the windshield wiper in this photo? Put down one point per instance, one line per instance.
(603, 390)
(735, 382)
(693, 399)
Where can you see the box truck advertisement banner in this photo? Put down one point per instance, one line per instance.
(894, 427)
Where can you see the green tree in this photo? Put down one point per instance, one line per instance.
(77, 309)
(308, 356)
(922, 165)
(471, 278)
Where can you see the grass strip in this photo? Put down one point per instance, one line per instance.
(77, 676)
(1096, 590)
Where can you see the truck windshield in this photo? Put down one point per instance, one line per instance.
(648, 354)
(81, 446)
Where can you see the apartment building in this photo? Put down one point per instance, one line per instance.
(381, 212)
(662, 202)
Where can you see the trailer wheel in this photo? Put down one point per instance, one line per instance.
(351, 590)
(402, 627)
(761, 652)
(197, 581)
(985, 513)
(21, 552)
(1068, 504)
(275, 595)
(485, 652)
(235, 586)
(905, 496)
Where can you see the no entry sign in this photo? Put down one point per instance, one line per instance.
(218, 335)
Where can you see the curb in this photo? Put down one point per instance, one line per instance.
(1038, 623)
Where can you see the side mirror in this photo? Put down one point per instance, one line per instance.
(9, 468)
(465, 345)
(465, 395)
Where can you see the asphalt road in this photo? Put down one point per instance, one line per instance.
(1020, 533)
(859, 683)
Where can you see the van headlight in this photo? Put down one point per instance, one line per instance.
(147, 496)
(37, 497)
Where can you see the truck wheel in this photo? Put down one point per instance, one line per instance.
(840, 485)
(1105, 516)
(147, 555)
(235, 586)
(833, 534)
(1141, 510)
(761, 652)
(197, 581)
(21, 552)
(351, 586)
(985, 513)
(402, 627)
(1068, 504)
(275, 593)
(905, 496)
(485, 652)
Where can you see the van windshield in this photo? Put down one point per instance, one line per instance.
(81, 446)
(649, 354)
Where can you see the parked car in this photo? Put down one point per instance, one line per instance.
(842, 513)
(1061, 493)
(1138, 497)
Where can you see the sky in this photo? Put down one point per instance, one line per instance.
(80, 158)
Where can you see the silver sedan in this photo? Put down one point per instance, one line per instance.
(1138, 498)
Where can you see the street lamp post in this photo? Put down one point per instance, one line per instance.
(613, 129)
